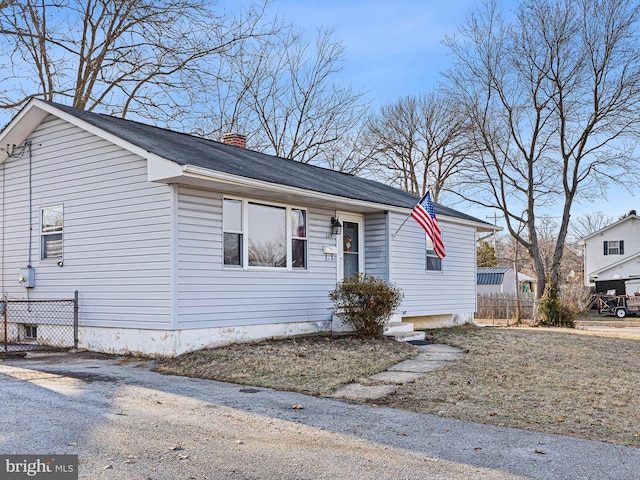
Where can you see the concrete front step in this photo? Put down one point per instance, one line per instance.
(405, 336)
(398, 327)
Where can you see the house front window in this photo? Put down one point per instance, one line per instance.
(298, 238)
(276, 236)
(614, 247)
(51, 226)
(267, 236)
(434, 263)
(233, 231)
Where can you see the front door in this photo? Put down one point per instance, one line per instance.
(351, 261)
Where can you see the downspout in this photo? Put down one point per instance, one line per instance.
(28, 144)
(3, 234)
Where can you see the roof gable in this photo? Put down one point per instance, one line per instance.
(609, 227)
(615, 264)
(183, 150)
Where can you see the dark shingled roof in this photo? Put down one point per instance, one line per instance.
(186, 149)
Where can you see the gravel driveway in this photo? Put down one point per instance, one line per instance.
(127, 422)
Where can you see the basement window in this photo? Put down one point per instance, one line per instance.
(30, 332)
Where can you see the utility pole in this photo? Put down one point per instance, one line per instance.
(493, 235)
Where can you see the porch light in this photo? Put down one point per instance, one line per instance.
(336, 226)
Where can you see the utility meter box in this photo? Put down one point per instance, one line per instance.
(27, 277)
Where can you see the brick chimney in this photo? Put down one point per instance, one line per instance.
(235, 139)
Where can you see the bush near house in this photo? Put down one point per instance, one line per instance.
(366, 303)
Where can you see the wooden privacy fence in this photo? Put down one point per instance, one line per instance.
(497, 308)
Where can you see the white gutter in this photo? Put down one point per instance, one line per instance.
(230, 179)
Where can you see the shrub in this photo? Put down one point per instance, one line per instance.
(366, 302)
(553, 312)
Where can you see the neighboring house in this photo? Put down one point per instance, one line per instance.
(502, 280)
(612, 254)
(176, 242)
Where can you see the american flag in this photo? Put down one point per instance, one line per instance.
(425, 215)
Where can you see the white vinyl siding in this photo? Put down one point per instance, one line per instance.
(433, 293)
(117, 228)
(627, 231)
(210, 295)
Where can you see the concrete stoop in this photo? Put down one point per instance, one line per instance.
(402, 331)
(429, 358)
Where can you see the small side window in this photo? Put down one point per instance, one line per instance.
(233, 234)
(51, 230)
(298, 238)
(434, 263)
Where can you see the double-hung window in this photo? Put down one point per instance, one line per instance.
(298, 238)
(262, 235)
(51, 226)
(434, 263)
(233, 231)
(614, 247)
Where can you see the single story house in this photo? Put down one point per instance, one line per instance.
(176, 242)
(612, 254)
(502, 280)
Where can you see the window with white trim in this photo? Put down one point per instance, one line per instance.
(434, 263)
(232, 226)
(614, 247)
(51, 227)
(267, 236)
(298, 238)
(257, 234)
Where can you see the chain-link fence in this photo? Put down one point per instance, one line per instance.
(39, 324)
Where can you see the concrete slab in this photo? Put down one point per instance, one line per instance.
(438, 356)
(419, 366)
(357, 391)
(397, 377)
(438, 348)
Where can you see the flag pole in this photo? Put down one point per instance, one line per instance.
(393, 236)
(405, 221)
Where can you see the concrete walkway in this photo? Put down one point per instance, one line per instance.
(429, 358)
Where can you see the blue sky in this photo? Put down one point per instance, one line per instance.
(394, 48)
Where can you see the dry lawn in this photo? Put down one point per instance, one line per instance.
(311, 365)
(569, 382)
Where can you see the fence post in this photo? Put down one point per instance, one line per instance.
(75, 319)
(4, 315)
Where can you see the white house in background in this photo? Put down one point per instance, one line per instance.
(502, 280)
(613, 253)
(176, 242)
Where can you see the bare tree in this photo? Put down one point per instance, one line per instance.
(552, 97)
(589, 223)
(126, 57)
(416, 142)
(285, 97)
